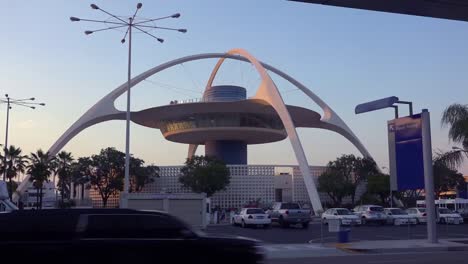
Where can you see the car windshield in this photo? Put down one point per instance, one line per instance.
(444, 211)
(255, 211)
(376, 209)
(398, 212)
(422, 210)
(343, 212)
(290, 206)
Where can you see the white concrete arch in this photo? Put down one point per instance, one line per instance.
(104, 109)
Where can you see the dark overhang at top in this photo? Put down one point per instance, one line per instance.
(447, 9)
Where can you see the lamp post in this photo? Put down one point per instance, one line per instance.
(141, 26)
(25, 102)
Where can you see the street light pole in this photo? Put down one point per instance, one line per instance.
(26, 102)
(131, 24)
(127, 134)
(6, 137)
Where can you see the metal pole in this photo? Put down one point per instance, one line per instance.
(6, 139)
(428, 177)
(124, 200)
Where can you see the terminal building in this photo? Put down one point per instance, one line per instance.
(226, 121)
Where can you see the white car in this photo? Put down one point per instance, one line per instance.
(251, 216)
(396, 216)
(345, 216)
(446, 216)
(419, 213)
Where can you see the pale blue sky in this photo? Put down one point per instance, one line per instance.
(345, 56)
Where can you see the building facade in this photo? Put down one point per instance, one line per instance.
(263, 183)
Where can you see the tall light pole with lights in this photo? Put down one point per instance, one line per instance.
(24, 102)
(142, 26)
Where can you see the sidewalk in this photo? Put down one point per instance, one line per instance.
(280, 251)
(394, 246)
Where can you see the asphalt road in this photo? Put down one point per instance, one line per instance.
(278, 235)
(406, 258)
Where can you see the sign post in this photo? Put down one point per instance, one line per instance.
(428, 177)
(410, 154)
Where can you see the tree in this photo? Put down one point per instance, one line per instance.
(335, 184)
(40, 168)
(64, 171)
(13, 163)
(456, 117)
(204, 174)
(379, 185)
(106, 173)
(446, 177)
(80, 174)
(355, 171)
(141, 175)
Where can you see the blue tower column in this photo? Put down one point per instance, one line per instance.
(230, 151)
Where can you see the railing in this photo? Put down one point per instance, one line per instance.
(188, 101)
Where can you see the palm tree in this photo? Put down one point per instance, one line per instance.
(64, 171)
(13, 163)
(456, 117)
(40, 168)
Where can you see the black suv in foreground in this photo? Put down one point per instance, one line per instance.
(115, 236)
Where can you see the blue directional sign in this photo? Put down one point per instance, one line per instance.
(406, 153)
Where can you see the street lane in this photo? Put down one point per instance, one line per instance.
(279, 235)
(400, 258)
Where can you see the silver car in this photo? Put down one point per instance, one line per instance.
(371, 214)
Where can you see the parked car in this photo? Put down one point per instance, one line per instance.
(419, 213)
(464, 214)
(287, 214)
(116, 236)
(447, 216)
(371, 214)
(252, 216)
(345, 216)
(397, 216)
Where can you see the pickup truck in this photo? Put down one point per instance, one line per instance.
(287, 214)
(115, 236)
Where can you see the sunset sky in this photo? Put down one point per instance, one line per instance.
(345, 56)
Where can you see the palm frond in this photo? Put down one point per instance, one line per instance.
(450, 159)
(455, 113)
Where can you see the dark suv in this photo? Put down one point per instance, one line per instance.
(115, 236)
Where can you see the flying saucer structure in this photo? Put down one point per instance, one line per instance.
(225, 121)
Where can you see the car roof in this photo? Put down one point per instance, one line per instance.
(391, 208)
(54, 223)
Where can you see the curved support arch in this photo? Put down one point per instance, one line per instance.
(268, 92)
(104, 109)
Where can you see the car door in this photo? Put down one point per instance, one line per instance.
(241, 216)
(275, 211)
(138, 237)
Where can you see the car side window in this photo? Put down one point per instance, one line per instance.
(133, 226)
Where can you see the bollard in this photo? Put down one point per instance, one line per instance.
(321, 230)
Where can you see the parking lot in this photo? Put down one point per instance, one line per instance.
(317, 233)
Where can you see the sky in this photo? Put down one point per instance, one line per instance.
(345, 56)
